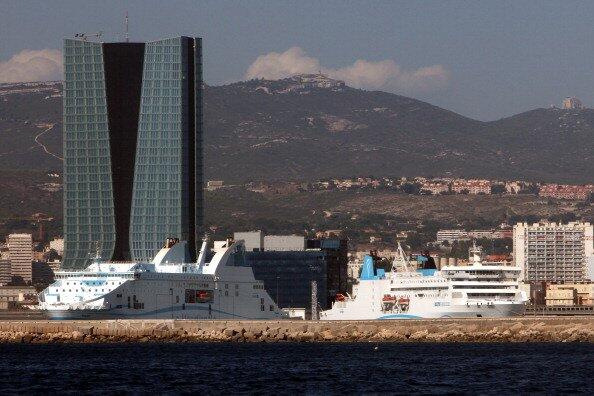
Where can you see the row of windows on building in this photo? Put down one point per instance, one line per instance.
(159, 108)
(80, 81)
(97, 108)
(85, 118)
(75, 67)
(161, 96)
(74, 47)
(92, 97)
(174, 75)
(162, 63)
(90, 235)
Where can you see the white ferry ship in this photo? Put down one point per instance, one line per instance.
(167, 288)
(478, 289)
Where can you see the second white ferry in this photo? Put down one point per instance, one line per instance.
(479, 289)
(167, 288)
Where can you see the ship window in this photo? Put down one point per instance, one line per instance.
(261, 307)
(177, 299)
(226, 285)
(226, 292)
(271, 308)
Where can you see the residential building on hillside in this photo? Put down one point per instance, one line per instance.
(451, 236)
(513, 187)
(471, 186)
(553, 252)
(318, 81)
(436, 187)
(21, 256)
(564, 191)
(213, 185)
(480, 234)
(132, 148)
(572, 103)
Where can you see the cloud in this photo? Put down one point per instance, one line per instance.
(274, 66)
(365, 74)
(32, 65)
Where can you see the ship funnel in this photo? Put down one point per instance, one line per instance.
(367, 272)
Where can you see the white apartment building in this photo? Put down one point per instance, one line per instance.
(451, 235)
(21, 255)
(553, 252)
(57, 244)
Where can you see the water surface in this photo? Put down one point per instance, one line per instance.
(297, 368)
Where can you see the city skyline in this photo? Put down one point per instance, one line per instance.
(480, 59)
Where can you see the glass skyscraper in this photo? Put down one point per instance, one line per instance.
(132, 148)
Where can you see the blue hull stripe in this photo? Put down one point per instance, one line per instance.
(160, 313)
(400, 316)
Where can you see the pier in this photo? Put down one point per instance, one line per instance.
(525, 329)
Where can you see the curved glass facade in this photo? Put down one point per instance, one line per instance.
(88, 194)
(133, 148)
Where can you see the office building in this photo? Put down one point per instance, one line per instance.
(284, 243)
(21, 256)
(553, 252)
(337, 259)
(253, 240)
(287, 276)
(5, 272)
(132, 148)
(287, 264)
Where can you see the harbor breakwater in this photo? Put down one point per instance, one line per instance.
(535, 329)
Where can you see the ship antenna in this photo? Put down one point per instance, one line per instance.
(400, 254)
(127, 36)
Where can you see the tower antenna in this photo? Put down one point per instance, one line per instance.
(126, 23)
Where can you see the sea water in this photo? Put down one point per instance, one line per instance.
(289, 368)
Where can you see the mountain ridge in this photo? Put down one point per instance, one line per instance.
(290, 129)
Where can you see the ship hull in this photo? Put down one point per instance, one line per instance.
(496, 310)
(187, 312)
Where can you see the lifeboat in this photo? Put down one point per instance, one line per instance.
(388, 298)
(340, 297)
(403, 301)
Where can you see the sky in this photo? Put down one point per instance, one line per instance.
(482, 59)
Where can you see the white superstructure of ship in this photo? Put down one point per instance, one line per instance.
(479, 289)
(169, 287)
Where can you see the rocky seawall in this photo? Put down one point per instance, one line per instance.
(536, 329)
